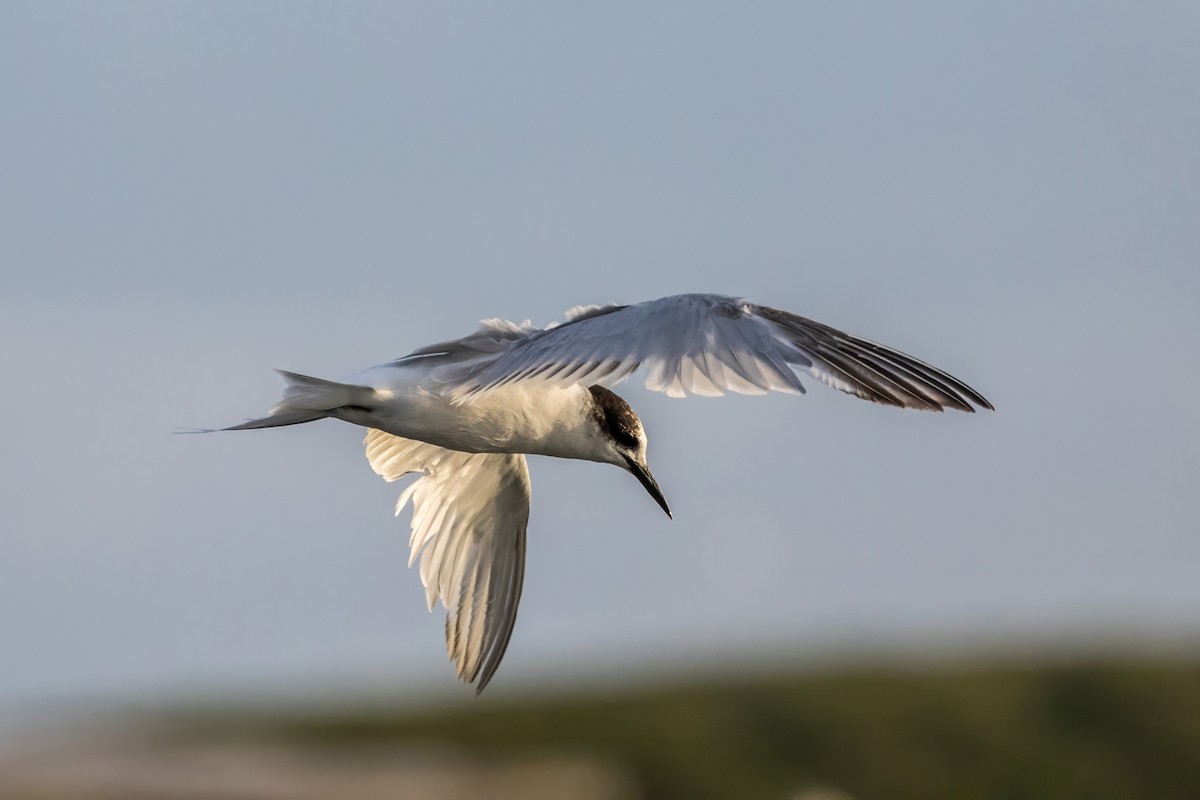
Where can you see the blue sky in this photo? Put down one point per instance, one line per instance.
(195, 193)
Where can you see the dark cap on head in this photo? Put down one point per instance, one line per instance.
(614, 416)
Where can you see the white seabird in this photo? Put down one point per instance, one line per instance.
(465, 413)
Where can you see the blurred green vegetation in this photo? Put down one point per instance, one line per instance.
(1089, 731)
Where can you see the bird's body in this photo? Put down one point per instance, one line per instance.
(466, 412)
(545, 421)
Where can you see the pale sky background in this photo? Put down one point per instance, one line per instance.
(191, 194)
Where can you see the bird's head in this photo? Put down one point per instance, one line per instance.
(622, 441)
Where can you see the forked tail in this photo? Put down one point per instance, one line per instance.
(306, 399)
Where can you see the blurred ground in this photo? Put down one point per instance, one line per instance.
(1090, 729)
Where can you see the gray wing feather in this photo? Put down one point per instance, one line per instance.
(870, 370)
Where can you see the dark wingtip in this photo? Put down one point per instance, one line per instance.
(980, 401)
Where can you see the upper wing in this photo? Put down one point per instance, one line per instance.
(708, 344)
(469, 516)
(494, 336)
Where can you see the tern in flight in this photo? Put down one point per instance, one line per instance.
(463, 414)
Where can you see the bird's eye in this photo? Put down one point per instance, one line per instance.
(625, 439)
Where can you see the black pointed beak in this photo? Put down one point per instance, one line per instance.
(642, 473)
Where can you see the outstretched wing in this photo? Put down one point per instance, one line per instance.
(470, 511)
(709, 344)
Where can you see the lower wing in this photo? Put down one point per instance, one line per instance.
(470, 511)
